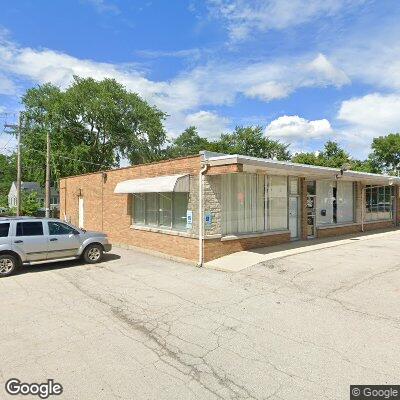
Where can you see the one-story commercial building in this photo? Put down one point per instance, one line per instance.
(203, 207)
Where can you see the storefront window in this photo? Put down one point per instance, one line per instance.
(254, 203)
(378, 203)
(164, 210)
(242, 203)
(180, 205)
(334, 202)
(138, 209)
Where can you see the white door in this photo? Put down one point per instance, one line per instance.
(294, 216)
(80, 212)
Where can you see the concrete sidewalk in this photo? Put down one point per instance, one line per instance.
(244, 259)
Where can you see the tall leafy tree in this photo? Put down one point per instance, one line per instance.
(93, 124)
(385, 154)
(187, 143)
(251, 141)
(333, 156)
(8, 174)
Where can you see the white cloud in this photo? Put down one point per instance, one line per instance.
(322, 67)
(268, 91)
(211, 84)
(370, 116)
(243, 17)
(208, 123)
(7, 86)
(293, 127)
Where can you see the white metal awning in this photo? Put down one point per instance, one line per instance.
(159, 184)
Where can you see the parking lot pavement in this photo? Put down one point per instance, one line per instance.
(139, 327)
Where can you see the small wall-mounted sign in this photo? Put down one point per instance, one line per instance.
(189, 219)
(207, 218)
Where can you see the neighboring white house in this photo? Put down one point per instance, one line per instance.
(29, 187)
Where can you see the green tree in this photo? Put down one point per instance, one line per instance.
(8, 174)
(385, 154)
(251, 141)
(96, 122)
(332, 156)
(187, 143)
(30, 204)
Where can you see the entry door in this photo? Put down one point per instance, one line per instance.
(294, 216)
(80, 212)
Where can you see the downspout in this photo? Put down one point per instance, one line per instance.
(201, 218)
(362, 208)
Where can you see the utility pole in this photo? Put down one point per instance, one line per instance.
(19, 202)
(18, 129)
(48, 194)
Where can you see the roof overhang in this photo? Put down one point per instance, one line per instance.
(159, 184)
(261, 165)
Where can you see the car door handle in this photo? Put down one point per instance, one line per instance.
(19, 241)
(53, 239)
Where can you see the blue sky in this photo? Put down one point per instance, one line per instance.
(307, 71)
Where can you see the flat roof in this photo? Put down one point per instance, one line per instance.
(252, 164)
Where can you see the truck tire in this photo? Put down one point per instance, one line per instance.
(93, 253)
(8, 264)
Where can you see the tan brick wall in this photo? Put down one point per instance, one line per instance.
(215, 248)
(212, 203)
(370, 226)
(225, 169)
(111, 213)
(338, 230)
(359, 201)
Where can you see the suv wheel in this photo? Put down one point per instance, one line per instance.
(93, 253)
(8, 265)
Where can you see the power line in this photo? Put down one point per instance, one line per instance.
(65, 157)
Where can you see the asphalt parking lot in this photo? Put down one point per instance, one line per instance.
(140, 327)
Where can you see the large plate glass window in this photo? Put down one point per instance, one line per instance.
(242, 203)
(379, 203)
(164, 210)
(334, 202)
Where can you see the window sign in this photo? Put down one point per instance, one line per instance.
(189, 219)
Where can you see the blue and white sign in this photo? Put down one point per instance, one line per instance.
(207, 218)
(189, 219)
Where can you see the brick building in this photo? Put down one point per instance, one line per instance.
(243, 203)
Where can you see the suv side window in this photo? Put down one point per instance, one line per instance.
(58, 228)
(29, 229)
(4, 229)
